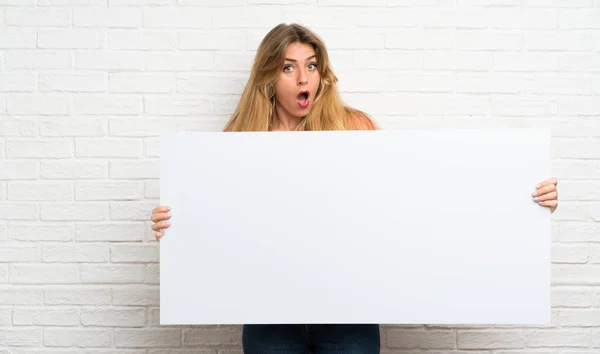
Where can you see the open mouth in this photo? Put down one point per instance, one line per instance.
(302, 99)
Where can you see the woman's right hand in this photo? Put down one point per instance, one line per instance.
(159, 214)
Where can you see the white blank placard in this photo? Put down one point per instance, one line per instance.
(398, 226)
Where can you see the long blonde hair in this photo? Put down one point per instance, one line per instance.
(255, 108)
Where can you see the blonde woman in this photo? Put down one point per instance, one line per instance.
(292, 87)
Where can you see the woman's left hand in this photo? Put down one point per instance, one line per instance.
(547, 194)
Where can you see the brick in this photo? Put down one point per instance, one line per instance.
(78, 169)
(133, 211)
(83, 338)
(41, 232)
(136, 169)
(152, 274)
(71, 2)
(43, 274)
(102, 104)
(39, 149)
(17, 295)
(579, 232)
(558, 85)
(138, 295)
(148, 338)
(583, 106)
(446, 105)
(40, 191)
(595, 212)
(488, 83)
(176, 105)
(19, 252)
(579, 62)
(212, 335)
(557, 338)
(489, 40)
(107, 17)
(20, 336)
(4, 274)
(37, 104)
(3, 231)
(141, 83)
(557, 40)
(114, 317)
(76, 296)
(18, 126)
(209, 83)
(5, 319)
(571, 297)
(141, 127)
(114, 274)
(569, 253)
(38, 59)
(579, 19)
(573, 169)
(418, 39)
(109, 60)
(449, 60)
(575, 274)
(43, 17)
(72, 38)
(181, 60)
(17, 38)
(594, 253)
(580, 318)
(79, 211)
(516, 17)
(113, 232)
(419, 339)
(251, 17)
(580, 190)
(142, 40)
(151, 189)
(560, 3)
(11, 169)
(108, 147)
(525, 61)
(46, 317)
(490, 339)
(100, 190)
(488, 2)
(82, 82)
(18, 82)
(176, 17)
(19, 211)
(219, 40)
(67, 127)
(86, 253)
(513, 106)
(135, 253)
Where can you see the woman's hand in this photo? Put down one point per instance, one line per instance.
(547, 194)
(159, 214)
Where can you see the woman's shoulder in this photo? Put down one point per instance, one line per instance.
(359, 120)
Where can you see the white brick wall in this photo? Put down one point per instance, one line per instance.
(87, 85)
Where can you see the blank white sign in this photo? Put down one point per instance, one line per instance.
(398, 226)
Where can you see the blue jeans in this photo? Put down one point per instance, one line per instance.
(316, 338)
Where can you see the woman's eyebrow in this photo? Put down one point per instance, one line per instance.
(294, 60)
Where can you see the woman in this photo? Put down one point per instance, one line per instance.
(292, 87)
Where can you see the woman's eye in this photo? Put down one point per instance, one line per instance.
(287, 68)
(312, 65)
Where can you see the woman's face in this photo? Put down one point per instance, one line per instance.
(298, 81)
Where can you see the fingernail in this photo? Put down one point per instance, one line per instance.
(169, 215)
(536, 199)
(168, 223)
(538, 186)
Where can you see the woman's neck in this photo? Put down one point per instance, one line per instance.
(283, 121)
